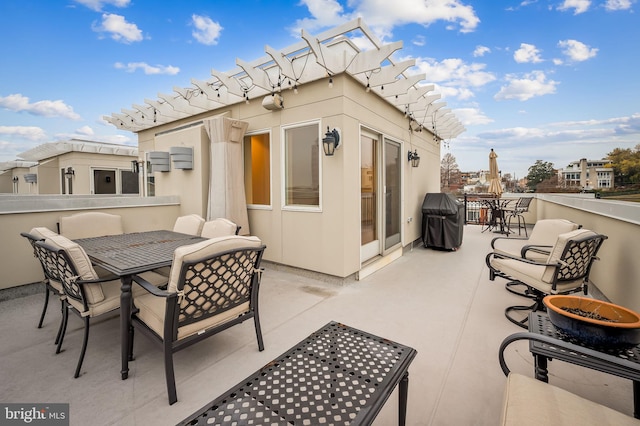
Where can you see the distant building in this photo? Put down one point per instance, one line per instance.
(72, 166)
(588, 174)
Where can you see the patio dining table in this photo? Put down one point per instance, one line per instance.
(125, 255)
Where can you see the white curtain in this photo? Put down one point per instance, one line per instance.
(226, 172)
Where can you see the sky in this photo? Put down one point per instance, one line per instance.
(550, 80)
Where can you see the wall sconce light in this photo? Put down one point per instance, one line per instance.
(414, 158)
(70, 172)
(136, 166)
(15, 179)
(330, 142)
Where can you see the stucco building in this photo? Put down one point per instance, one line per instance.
(588, 174)
(257, 141)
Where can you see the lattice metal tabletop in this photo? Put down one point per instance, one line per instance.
(135, 252)
(338, 375)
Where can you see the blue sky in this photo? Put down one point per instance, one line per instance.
(552, 80)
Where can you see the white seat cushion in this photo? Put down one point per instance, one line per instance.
(544, 233)
(42, 233)
(218, 228)
(190, 224)
(530, 402)
(82, 264)
(90, 224)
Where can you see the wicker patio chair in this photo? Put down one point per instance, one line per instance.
(565, 271)
(219, 227)
(213, 285)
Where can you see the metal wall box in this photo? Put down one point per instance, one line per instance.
(159, 161)
(31, 178)
(182, 157)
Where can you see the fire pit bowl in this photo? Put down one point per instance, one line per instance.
(594, 322)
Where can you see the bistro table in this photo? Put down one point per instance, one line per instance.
(496, 221)
(546, 342)
(127, 254)
(337, 375)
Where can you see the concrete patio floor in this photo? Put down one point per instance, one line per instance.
(440, 303)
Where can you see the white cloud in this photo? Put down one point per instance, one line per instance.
(578, 6)
(147, 69)
(206, 32)
(85, 130)
(27, 132)
(612, 5)
(529, 86)
(527, 53)
(19, 103)
(419, 40)
(98, 4)
(454, 72)
(471, 116)
(481, 51)
(383, 16)
(577, 51)
(119, 28)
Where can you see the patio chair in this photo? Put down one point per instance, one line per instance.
(90, 224)
(219, 227)
(51, 281)
(213, 286)
(521, 207)
(537, 247)
(565, 271)
(87, 295)
(189, 224)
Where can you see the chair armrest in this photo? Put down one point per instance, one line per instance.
(535, 248)
(519, 259)
(150, 287)
(493, 241)
(99, 280)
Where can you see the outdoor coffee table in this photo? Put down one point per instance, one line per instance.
(337, 375)
(547, 343)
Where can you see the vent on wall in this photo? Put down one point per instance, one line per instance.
(182, 157)
(159, 161)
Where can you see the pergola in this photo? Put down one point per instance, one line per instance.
(349, 48)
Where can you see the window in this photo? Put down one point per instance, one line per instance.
(257, 166)
(301, 165)
(130, 182)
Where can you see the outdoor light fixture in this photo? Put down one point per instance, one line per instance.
(330, 142)
(15, 179)
(136, 165)
(70, 172)
(414, 158)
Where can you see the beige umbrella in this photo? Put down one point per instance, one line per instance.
(495, 187)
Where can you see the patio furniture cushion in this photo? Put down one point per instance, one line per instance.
(558, 248)
(90, 224)
(42, 232)
(531, 402)
(82, 264)
(189, 224)
(544, 233)
(219, 227)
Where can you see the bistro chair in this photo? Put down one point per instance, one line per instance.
(189, 224)
(213, 285)
(565, 271)
(219, 227)
(87, 295)
(518, 211)
(51, 280)
(90, 224)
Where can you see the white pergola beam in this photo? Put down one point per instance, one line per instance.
(369, 60)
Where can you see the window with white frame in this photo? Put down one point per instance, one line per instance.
(302, 166)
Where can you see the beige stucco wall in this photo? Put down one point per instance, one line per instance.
(17, 263)
(326, 241)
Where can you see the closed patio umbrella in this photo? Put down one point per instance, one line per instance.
(494, 178)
